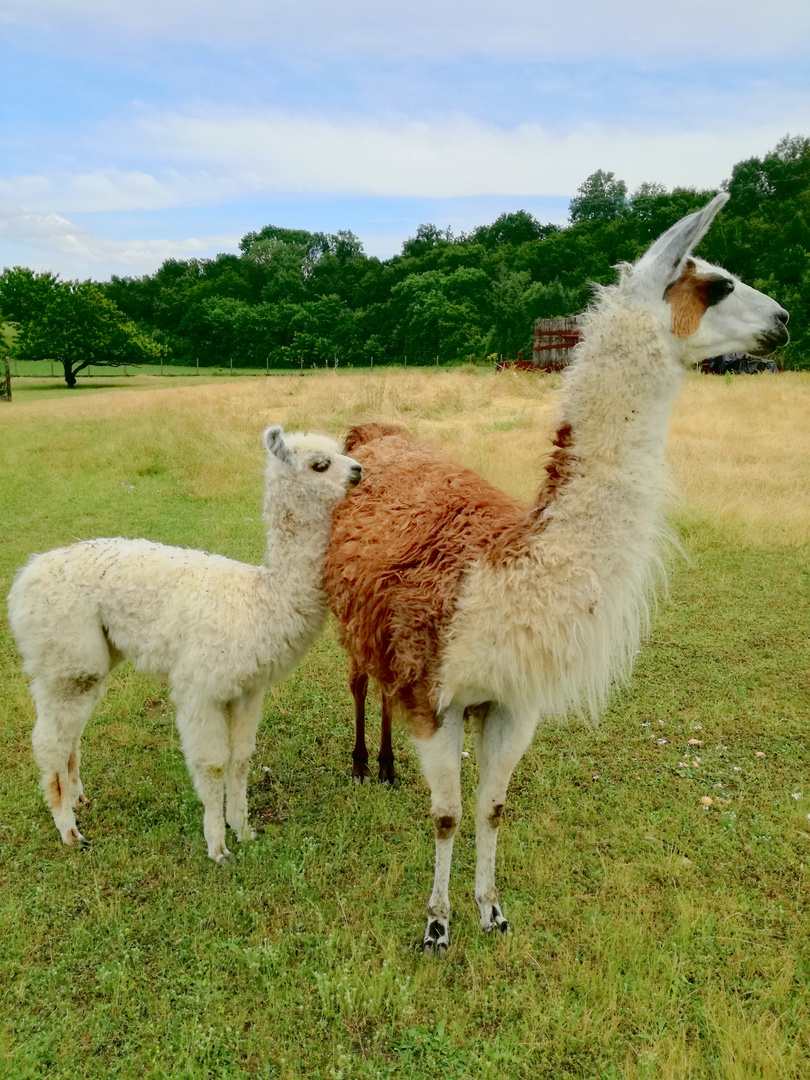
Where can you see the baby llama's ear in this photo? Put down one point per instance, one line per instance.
(273, 438)
(663, 261)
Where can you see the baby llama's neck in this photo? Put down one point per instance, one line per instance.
(297, 536)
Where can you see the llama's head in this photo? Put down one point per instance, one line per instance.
(309, 468)
(705, 310)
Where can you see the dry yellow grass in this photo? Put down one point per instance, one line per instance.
(739, 449)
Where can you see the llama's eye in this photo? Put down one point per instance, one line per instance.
(320, 466)
(717, 289)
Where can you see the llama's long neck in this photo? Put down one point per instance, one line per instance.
(550, 626)
(604, 477)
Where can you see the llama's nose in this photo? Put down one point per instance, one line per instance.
(783, 316)
(355, 475)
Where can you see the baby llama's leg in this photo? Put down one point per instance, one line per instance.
(244, 716)
(204, 737)
(440, 757)
(77, 795)
(63, 708)
(501, 741)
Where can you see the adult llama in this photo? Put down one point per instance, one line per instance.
(219, 632)
(458, 599)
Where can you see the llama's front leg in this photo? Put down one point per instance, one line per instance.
(501, 741)
(440, 757)
(204, 737)
(244, 715)
(358, 684)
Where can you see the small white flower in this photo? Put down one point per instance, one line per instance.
(796, 795)
(661, 742)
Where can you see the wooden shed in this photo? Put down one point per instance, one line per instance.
(553, 341)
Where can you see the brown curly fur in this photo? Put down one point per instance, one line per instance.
(398, 549)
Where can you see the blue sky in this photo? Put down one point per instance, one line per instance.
(136, 130)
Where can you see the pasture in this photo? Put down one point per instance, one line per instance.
(653, 935)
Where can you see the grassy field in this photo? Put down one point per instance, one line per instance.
(653, 936)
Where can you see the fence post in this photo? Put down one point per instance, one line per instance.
(7, 386)
(267, 364)
(51, 367)
(198, 365)
(372, 363)
(231, 363)
(161, 365)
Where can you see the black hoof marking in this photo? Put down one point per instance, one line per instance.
(436, 939)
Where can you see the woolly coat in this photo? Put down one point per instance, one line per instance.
(397, 554)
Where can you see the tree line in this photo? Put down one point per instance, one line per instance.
(293, 298)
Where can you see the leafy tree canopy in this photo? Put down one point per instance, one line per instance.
(600, 197)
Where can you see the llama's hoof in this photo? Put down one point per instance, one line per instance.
(437, 938)
(73, 838)
(82, 800)
(492, 918)
(225, 858)
(387, 776)
(360, 772)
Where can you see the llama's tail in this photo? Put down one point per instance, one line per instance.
(365, 433)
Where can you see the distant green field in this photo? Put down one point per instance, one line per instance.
(44, 368)
(653, 936)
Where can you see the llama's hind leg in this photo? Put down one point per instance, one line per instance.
(440, 757)
(385, 758)
(63, 709)
(501, 741)
(204, 738)
(244, 715)
(358, 685)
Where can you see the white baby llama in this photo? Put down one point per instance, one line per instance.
(218, 632)
(457, 598)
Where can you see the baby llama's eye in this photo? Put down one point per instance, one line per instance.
(320, 466)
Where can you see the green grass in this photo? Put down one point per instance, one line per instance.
(652, 937)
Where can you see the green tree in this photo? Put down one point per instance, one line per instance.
(601, 197)
(75, 324)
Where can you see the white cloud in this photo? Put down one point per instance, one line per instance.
(44, 241)
(544, 29)
(215, 158)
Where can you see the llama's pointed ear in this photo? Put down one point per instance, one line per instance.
(273, 439)
(662, 262)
